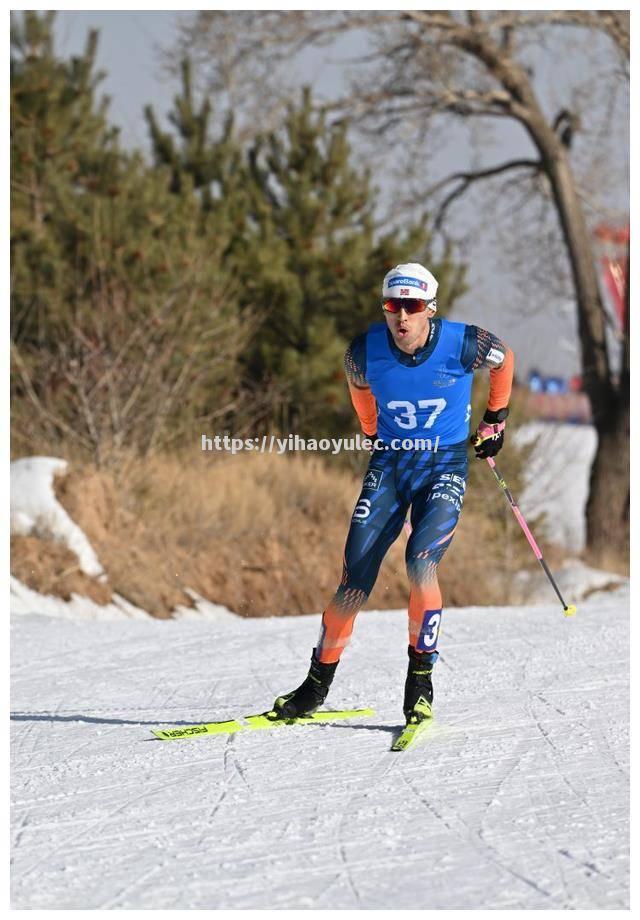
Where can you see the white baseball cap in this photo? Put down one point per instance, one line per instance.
(410, 280)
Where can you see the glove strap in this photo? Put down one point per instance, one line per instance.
(485, 431)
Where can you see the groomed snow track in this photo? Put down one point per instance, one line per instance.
(516, 799)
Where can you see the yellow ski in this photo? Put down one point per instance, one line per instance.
(263, 720)
(409, 734)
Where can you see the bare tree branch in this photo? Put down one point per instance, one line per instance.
(58, 423)
(466, 179)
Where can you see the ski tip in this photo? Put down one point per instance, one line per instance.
(570, 611)
(410, 733)
(162, 735)
(402, 743)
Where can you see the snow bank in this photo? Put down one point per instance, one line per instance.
(202, 610)
(576, 581)
(35, 509)
(557, 478)
(25, 601)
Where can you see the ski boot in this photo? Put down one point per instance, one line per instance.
(418, 689)
(311, 693)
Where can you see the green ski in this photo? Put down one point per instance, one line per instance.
(410, 733)
(254, 723)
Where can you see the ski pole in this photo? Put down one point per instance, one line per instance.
(569, 610)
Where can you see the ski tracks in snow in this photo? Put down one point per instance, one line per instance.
(516, 798)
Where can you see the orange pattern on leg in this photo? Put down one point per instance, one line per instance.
(337, 624)
(425, 596)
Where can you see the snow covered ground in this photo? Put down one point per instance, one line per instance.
(517, 798)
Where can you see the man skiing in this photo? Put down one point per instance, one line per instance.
(410, 380)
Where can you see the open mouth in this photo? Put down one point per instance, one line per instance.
(402, 331)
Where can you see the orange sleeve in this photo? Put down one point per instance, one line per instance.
(364, 402)
(500, 381)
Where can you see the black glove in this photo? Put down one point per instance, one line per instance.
(489, 436)
(373, 438)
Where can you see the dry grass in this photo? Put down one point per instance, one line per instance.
(263, 535)
(50, 568)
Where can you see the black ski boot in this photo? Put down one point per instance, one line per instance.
(311, 693)
(418, 689)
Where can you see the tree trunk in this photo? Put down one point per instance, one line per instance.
(608, 505)
(596, 368)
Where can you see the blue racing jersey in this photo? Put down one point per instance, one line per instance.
(424, 395)
(428, 399)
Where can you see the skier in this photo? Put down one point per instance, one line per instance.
(410, 380)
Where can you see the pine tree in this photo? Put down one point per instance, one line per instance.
(61, 148)
(320, 273)
(213, 167)
(302, 244)
(121, 333)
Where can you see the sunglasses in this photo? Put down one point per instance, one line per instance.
(410, 304)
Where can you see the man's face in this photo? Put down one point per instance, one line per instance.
(409, 330)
